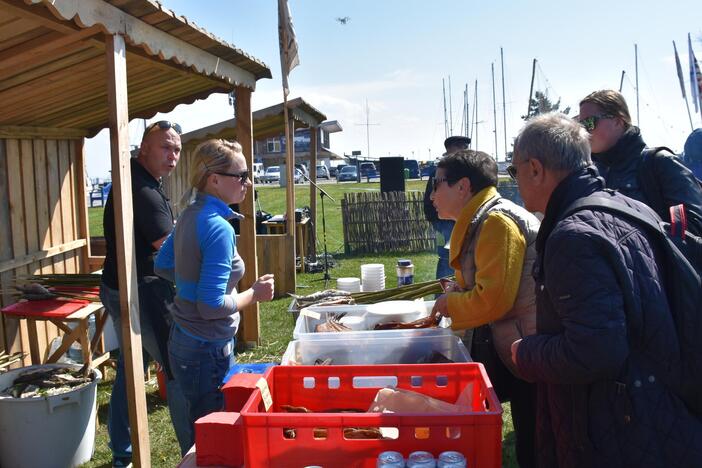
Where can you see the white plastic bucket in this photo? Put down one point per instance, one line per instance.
(50, 431)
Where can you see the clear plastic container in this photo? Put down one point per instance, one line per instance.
(405, 272)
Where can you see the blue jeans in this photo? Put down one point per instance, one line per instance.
(199, 366)
(443, 228)
(118, 415)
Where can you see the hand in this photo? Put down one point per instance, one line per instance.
(263, 288)
(515, 348)
(440, 308)
(449, 286)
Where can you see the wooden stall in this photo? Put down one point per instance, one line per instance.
(67, 70)
(280, 249)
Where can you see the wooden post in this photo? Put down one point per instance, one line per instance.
(314, 133)
(116, 55)
(247, 227)
(82, 206)
(290, 191)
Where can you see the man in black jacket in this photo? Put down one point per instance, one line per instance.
(618, 149)
(605, 338)
(442, 227)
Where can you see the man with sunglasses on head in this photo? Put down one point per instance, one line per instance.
(492, 249)
(153, 221)
(654, 177)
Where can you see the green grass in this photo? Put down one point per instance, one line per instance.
(276, 322)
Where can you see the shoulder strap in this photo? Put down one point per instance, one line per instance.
(601, 203)
(480, 216)
(648, 180)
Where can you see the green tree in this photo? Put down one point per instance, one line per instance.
(541, 104)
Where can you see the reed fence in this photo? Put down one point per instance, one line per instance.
(385, 222)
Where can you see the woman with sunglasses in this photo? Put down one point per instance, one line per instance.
(200, 256)
(656, 178)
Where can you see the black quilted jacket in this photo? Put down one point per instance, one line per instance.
(602, 398)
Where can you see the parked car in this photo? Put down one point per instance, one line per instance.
(300, 170)
(367, 169)
(413, 166)
(322, 172)
(334, 170)
(257, 172)
(347, 173)
(272, 174)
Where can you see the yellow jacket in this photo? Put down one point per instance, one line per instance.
(498, 261)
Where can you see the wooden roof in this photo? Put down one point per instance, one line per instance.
(266, 122)
(53, 70)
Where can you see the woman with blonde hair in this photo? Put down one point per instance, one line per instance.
(200, 256)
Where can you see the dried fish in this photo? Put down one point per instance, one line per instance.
(46, 382)
(332, 324)
(424, 322)
(326, 297)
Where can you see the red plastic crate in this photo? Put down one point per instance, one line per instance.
(477, 432)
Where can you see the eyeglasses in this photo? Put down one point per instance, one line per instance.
(243, 175)
(512, 169)
(436, 181)
(162, 125)
(591, 122)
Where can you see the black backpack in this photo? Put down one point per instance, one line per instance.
(653, 191)
(681, 264)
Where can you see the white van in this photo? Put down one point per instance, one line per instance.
(257, 172)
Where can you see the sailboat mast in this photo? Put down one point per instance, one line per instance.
(636, 61)
(494, 107)
(531, 87)
(450, 108)
(443, 84)
(467, 110)
(504, 100)
(475, 110)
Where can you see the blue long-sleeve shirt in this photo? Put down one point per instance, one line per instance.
(200, 256)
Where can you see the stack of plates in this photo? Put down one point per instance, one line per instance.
(352, 285)
(373, 276)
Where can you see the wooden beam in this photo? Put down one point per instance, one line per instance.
(45, 133)
(314, 133)
(116, 56)
(40, 255)
(247, 227)
(82, 205)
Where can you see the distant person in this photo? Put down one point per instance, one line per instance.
(201, 257)
(617, 151)
(692, 154)
(492, 251)
(605, 339)
(153, 221)
(442, 227)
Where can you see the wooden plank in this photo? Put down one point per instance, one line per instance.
(43, 231)
(81, 204)
(73, 177)
(13, 131)
(16, 331)
(54, 192)
(314, 132)
(115, 55)
(64, 199)
(28, 259)
(274, 261)
(6, 245)
(247, 227)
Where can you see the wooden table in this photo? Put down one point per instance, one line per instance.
(61, 313)
(302, 235)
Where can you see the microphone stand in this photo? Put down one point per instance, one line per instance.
(322, 194)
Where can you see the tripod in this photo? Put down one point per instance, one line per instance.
(322, 194)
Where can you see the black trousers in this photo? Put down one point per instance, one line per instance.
(521, 395)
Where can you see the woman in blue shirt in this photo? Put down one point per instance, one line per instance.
(200, 256)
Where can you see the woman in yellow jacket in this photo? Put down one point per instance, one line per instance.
(492, 252)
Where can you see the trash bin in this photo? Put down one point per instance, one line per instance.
(406, 172)
(49, 431)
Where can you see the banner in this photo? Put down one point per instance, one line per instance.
(695, 78)
(288, 45)
(680, 72)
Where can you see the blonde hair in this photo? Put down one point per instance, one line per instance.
(209, 157)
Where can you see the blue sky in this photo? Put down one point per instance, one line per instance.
(395, 53)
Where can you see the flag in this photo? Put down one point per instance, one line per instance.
(288, 45)
(680, 73)
(695, 78)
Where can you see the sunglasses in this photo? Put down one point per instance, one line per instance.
(591, 122)
(435, 182)
(162, 125)
(243, 175)
(512, 169)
